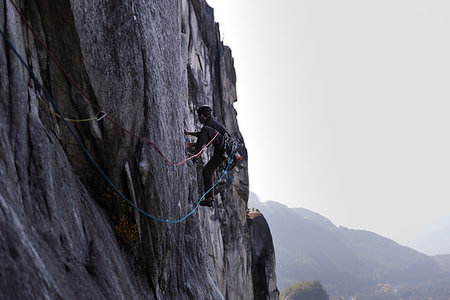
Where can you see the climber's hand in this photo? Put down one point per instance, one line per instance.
(190, 133)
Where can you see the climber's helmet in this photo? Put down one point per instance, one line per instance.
(204, 113)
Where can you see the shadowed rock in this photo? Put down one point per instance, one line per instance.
(263, 257)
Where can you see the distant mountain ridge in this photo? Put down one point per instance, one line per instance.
(309, 246)
(433, 238)
(443, 261)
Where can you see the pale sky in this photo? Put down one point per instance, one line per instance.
(344, 106)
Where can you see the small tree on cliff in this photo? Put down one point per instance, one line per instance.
(305, 290)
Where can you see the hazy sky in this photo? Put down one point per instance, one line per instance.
(345, 106)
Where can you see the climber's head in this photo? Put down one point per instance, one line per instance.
(204, 113)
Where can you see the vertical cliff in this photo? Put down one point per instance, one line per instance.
(263, 257)
(66, 233)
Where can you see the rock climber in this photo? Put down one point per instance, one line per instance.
(209, 130)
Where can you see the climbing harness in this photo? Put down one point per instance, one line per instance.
(230, 144)
(91, 159)
(100, 111)
(232, 157)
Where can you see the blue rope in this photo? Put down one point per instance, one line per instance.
(78, 140)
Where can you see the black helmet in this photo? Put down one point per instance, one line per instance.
(205, 110)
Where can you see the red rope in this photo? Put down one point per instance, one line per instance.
(92, 102)
(195, 155)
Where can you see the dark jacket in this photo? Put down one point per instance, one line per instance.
(209, 130)
(213, 123)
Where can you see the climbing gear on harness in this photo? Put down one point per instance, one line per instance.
(230, 147)
(229, 144)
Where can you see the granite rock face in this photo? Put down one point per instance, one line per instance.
(263, 258)
(65, 233)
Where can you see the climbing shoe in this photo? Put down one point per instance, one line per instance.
(207, 202)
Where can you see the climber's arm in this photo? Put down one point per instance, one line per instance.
(191, 133)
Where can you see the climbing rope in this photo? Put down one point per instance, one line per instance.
(91, 159)
(100, 111)
(47, 109)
